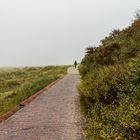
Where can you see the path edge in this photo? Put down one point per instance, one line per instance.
(27, 101)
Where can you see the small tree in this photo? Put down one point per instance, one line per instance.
(90, 50)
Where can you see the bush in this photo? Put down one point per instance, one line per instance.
(110, 86)
(112, 95)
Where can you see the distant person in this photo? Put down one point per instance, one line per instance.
(75, 64)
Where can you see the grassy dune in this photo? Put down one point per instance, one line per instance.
(110, 86)
(16, 84)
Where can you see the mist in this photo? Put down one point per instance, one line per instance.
(52, 32)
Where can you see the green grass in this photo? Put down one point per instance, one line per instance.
(17, 84)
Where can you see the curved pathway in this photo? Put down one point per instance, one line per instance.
(53, 115)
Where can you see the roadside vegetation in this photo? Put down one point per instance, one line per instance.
(17, 84)
(110, 86)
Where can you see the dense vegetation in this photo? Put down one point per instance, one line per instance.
(110, 86)
(16, 84)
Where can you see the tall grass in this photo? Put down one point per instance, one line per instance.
(18, 84)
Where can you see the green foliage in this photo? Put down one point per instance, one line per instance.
(18, 84)
(110, 86)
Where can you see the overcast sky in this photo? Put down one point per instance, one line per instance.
(55, 32)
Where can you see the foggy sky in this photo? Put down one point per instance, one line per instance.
(55, 32)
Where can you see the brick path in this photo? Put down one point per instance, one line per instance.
(54, 115)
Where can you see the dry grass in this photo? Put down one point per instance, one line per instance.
(16, 84)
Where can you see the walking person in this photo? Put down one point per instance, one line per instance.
(75, 64)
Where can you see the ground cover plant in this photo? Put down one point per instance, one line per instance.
(110, 86)
(17, 84)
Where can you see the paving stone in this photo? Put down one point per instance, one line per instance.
(53, 115)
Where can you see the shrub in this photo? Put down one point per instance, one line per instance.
(110, 86)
